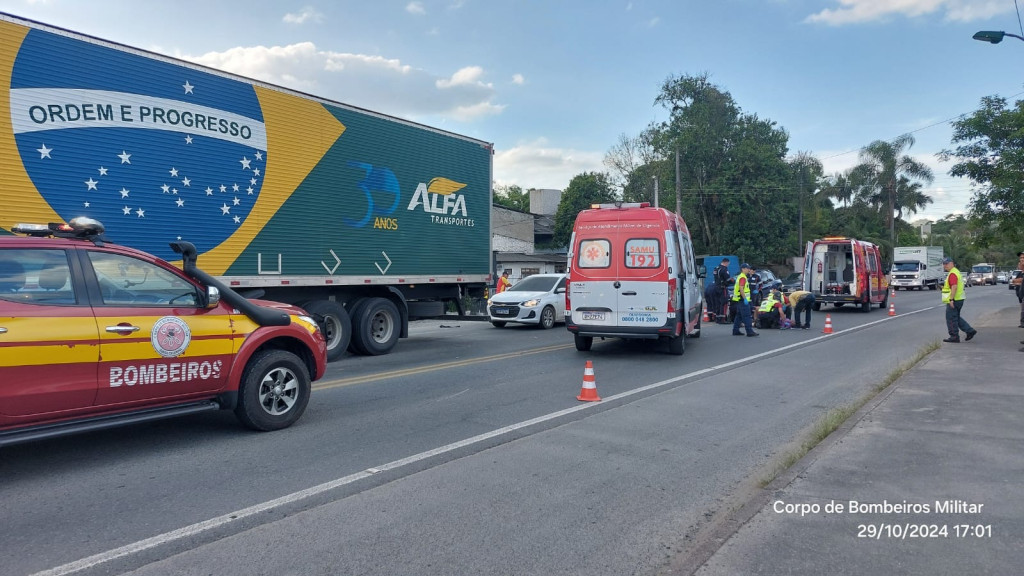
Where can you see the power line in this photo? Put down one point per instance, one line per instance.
(1018, 18)
(946, 121)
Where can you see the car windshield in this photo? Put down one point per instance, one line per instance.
(905, 266)
(534, 284)
(981, 269)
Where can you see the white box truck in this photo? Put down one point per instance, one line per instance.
(917, 267)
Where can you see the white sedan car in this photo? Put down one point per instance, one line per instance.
(537, 299)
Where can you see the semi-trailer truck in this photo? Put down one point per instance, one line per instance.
(365, 220)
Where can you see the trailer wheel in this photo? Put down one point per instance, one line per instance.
(375, 327)
(274, 390)
(583, 343)
(335, 324)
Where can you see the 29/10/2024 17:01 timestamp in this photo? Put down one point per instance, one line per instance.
(909, 530)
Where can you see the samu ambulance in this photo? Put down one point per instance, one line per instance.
(631, 274)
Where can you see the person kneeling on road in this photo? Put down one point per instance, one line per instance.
(772, 312)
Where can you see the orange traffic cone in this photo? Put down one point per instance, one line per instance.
(705, 318)
(893, 293)
(589, 391)
(828, 324)
(892, 308)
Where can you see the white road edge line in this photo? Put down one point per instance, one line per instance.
(199, 527)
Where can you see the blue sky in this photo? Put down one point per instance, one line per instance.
(553, 84)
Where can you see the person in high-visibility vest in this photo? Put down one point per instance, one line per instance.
(772, 312)
(741, 299)
(953, 298)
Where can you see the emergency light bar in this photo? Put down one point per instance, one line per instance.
(77, 228)
(622, 205)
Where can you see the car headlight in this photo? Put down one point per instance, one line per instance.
(308, 320)
(531, 303)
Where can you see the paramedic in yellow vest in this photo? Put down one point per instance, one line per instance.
(772, 312)
(741, 299)
(953, 298)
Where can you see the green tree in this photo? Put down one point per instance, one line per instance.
(512, 196)
(736, 192)
(991, 155)
(882, 165)
(583, 190)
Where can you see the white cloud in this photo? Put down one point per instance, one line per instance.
(464, 76)
(415, 8)
(536, 165)
(518, 79)
(307, 14)
(653, 22)
(372, 82)
(858, 11)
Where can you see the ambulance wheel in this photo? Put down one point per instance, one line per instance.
(583, 343)
(334, 323)
(677, 345)
(274, 390)
(547, 318)
(498, 323)
(885, 301)
(865, 306)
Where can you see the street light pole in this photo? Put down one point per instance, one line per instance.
(655, 178)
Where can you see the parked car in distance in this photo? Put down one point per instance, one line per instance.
(538, 299)
(765, 280)
(1015, 278)
(793, 282)
(1002, 278)
(95, 335)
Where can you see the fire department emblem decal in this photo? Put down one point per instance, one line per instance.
(170, 336)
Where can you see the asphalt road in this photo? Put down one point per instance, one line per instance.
(463, 452)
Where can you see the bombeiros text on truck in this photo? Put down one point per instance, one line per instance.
(364, 220)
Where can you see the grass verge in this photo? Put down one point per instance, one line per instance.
(835, 417)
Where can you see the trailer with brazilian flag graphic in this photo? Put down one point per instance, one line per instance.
(365, 220)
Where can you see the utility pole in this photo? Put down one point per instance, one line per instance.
(800, 202)
(679, 195)
(655, 178)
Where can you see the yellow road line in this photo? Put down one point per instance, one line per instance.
(325, 385)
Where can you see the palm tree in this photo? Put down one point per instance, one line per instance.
(909, 197)
(883, 164)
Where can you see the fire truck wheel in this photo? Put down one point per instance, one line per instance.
(274, 390)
